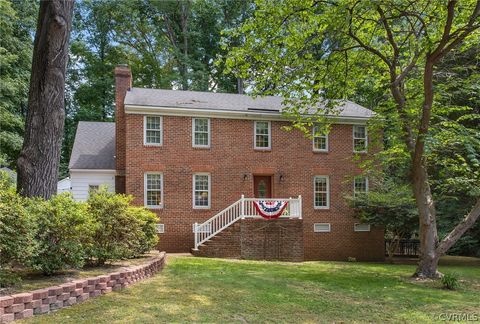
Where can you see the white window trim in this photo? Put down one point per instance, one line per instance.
(145, 131)
(328, 192)
(327, 231)
(145, 191)
(357, 230)
(366, 185)
(313, 142)
(354, 138)
(209, 190)
(207, 230)
(193, 133)
(160, 228)
(269, 135)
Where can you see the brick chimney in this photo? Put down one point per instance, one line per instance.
(123, 83)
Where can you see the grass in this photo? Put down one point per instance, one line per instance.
(34, 280)
(214, 290)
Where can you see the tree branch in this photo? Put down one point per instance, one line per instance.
(459, 230)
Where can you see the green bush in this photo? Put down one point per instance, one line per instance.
(121, 231)
(147, 236)
(8, 278)
(450, 281)
(17, 229)
(64, 233)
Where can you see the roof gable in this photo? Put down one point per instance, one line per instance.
(94, 146)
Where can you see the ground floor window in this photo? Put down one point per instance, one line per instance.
(360, 185)
(153, 190)
(361, 227)
(201, 190)
(321, 189)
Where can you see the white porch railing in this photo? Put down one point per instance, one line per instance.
(242, 208)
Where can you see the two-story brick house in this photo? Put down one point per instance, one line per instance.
(190, 156)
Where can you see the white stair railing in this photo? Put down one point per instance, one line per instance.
(242, 208)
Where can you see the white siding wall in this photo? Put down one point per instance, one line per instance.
(63, 185)
(80, 180)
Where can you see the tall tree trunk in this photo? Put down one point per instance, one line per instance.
(185, 11)
(40, 156)
(428, 258)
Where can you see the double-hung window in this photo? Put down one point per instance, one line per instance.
(320, 139)
(360, 185)
(200, 132)
(321, 190)
(263, 136)
(152, 126)
(154, 190)
(201, 190)
(359, 139)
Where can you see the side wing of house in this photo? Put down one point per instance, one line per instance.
(92, 163)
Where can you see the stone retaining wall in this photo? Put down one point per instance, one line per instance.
(45, 300)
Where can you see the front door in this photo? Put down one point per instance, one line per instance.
(262, 186)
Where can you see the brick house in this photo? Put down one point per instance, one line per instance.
(201, 161)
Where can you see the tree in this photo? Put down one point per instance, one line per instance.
(16, 44)
(390, 206)
(40, 155)
(317, 50)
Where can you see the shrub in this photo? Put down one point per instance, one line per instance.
(121, 231)
(450, 281)
(147, 236)
(64, 232)
(8, 278)
(17, 228)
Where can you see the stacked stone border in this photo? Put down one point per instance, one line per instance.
(49, 299)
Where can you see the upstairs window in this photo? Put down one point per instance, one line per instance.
(153, 190)
(321, 189)
(152, 126)
(201, 132)
(201, 190)
(320, 140)
(263, 135)
(360, 185)
(359, 139)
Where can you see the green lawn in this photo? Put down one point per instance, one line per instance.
(215, 290)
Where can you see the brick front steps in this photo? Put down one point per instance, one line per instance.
(49, 299)
(257, 239)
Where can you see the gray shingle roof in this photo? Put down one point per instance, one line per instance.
(222, 101)
(94, 146)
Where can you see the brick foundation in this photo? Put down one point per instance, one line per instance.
(49, 299)
(258, 239)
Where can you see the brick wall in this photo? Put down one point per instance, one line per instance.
(45, 300)
(123, 82)
(258, 239)
(279, 239)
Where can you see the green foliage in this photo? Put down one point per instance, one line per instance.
(120, 230)
(8, 278)
(60, 233)
(389, 205)
(17, 228)
(64, 233)
(17, 23)
(450, 281)
(147, 237)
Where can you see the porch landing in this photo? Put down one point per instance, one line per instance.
(257, 239)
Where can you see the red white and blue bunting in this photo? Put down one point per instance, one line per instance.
(270, 209)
